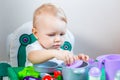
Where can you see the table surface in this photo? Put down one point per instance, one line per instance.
(13, 73)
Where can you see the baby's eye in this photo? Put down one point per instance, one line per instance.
(51, 34)
(62, 34)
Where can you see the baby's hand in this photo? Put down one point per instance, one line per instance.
(83, 57)
(66, 56)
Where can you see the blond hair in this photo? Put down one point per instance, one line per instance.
(49, 9)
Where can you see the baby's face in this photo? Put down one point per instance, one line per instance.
(50, 32)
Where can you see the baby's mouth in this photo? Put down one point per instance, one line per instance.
(56, 46)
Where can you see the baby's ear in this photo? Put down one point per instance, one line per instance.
(34, 31)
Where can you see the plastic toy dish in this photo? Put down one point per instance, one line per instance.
(76, 71)
(46, 67)
(76, 64)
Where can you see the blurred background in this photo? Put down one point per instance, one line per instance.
(94, 23)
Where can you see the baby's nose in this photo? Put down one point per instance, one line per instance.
(57, 39)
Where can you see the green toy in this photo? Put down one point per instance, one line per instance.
(59, 78)
(28, 71)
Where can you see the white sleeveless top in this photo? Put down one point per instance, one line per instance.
(37, 46)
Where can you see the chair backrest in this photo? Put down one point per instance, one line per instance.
(20, 38)
(24, 40)
(3, 69)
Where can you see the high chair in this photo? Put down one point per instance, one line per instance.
(3, 70)
(21, 37)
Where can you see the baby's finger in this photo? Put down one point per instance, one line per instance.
(76, 58)
(67, 59)
(81, 56)
(86, 57)
(71, 58)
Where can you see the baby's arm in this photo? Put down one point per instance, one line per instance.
(39, 56)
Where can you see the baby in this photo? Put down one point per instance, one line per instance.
(49, 28)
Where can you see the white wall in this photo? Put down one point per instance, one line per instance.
(95, 23)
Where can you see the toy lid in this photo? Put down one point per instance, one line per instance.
(76, 64)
